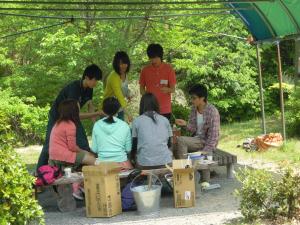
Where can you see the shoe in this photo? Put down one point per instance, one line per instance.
(78, 195)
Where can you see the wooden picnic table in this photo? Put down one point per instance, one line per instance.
(77, 177)
(66, 202)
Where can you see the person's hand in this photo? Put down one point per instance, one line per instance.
(165, 90)
(100, 113)
(129, 118)
(180, 122)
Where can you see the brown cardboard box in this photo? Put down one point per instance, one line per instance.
(102, 190)
(184, 184)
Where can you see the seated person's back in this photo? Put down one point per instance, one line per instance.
(151, 134)
(111, 138)
(63, 150)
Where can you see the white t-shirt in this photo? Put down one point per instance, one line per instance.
(200, 123)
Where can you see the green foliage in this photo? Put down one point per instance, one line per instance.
(227, 66)
(272, 96)
(287, 194)
(17, 203)
(21, 121)
(256, 201)
(265, 197)
(293, 113)
(179, 112)
(40, 63)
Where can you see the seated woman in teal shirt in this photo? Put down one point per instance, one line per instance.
(111, 138)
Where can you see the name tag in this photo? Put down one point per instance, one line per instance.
(164, 82)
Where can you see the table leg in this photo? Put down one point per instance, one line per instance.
(197, 183)
(230, 169)
(206, 175)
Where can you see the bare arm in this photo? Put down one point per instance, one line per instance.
(170, 89)
(83, 116)
(142, 90)
(91, 114)
(91, 107)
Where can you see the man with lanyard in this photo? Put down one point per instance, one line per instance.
(159, 79)
(82, 91)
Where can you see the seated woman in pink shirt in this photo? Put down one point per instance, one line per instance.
(63, 150)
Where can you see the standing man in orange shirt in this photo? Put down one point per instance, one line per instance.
(159, 79)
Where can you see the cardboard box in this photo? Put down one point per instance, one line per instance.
(102, 190)
(184, 184)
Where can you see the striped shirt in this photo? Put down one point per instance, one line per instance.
(210, 129)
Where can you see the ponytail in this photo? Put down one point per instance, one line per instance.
(152, 115)
(110, 120)
(111, 107)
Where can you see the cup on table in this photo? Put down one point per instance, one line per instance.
(210, 157)
(97, 162)
(68, 172)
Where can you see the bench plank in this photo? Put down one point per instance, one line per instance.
(224, 158)
(227, 160)
(78, 177)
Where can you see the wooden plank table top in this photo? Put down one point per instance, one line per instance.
(78, 176)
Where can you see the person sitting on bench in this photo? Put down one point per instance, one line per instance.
(63, 150)
(152, 135)
(204, 124)
(111, 137)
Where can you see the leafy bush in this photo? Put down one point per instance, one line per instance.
(17, 204)
(293, 114)
(287, 194)
(21, 120)
(262, 196)
(255, 196)
(180, 112)
(272, 96)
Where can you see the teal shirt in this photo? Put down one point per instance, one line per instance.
(111, 142)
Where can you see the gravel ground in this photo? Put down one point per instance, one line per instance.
(217, 206)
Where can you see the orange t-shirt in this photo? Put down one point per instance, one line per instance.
(154, 78)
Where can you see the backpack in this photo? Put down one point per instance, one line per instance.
(128, 202)
(47, 175)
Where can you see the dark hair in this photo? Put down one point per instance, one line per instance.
(111, 106)
(155, 50)
(92, 71)
(199, 90)
(149, 105)
(68, 110)
(121, 57)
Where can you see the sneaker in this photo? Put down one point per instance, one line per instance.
(78, 195)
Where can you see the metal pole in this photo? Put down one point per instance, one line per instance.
(122, 9)
(130, 2)
(281, 90)
(261, 91)
(297, 60)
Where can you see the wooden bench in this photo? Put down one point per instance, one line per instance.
(64, 190)
(225, 159)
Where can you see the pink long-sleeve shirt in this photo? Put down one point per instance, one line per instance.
(62, 145)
